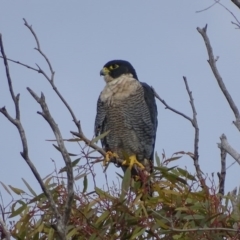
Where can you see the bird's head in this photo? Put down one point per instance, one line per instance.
(115, 68)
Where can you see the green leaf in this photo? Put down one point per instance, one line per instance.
(103, 217)
(137, 233)
(100, 136)
(193, 217)
(70, 154)
(51, 234)
(186, 174)
(161, 224)
(29, 187)
(102, 194)
(85, 183)
(5, 187)
(79, 176)
(73, 163)
(93, 237)
(19, 210)
(16, 190)
(72, 233)
(125, 183)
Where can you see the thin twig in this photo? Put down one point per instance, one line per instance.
(238, 22)
(170, 108)
(228, 148)
(50, 79)
(212, 63)
(25, 65)
(205, 9)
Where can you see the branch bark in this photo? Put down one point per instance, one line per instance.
(212, 63)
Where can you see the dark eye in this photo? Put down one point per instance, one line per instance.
(114, 66)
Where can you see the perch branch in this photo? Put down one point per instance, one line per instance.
(24, 153)
(228, 148)
(212, 63)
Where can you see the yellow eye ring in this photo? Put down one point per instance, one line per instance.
(114, 66)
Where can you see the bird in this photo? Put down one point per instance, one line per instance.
(127, 111)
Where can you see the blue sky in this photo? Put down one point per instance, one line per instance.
(159, 38)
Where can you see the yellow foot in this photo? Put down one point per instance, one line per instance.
(131, 161)
(108, 157)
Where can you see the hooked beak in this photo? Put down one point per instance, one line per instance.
(104, 71)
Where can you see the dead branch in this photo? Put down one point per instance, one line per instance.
(212, 63)
(24, 153)
(228, 148)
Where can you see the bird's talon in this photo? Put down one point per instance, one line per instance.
(108, 157)
(131, 161)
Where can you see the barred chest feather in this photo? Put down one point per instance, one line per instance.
(120, 88)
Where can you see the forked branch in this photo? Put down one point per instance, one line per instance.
(212, 63)
(194, 123)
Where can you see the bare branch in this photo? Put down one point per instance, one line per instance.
(24, 153)
(205, 9)
(39, 48)
(196, 137)
(194, 124)
(47, 116)
(50, 79)
(4, 230)
(14, 98)
(170, 108)
(24, 65)
(222, 175)
(228, 148)
(212, 63)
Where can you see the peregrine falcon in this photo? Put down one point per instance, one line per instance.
(127, 109)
